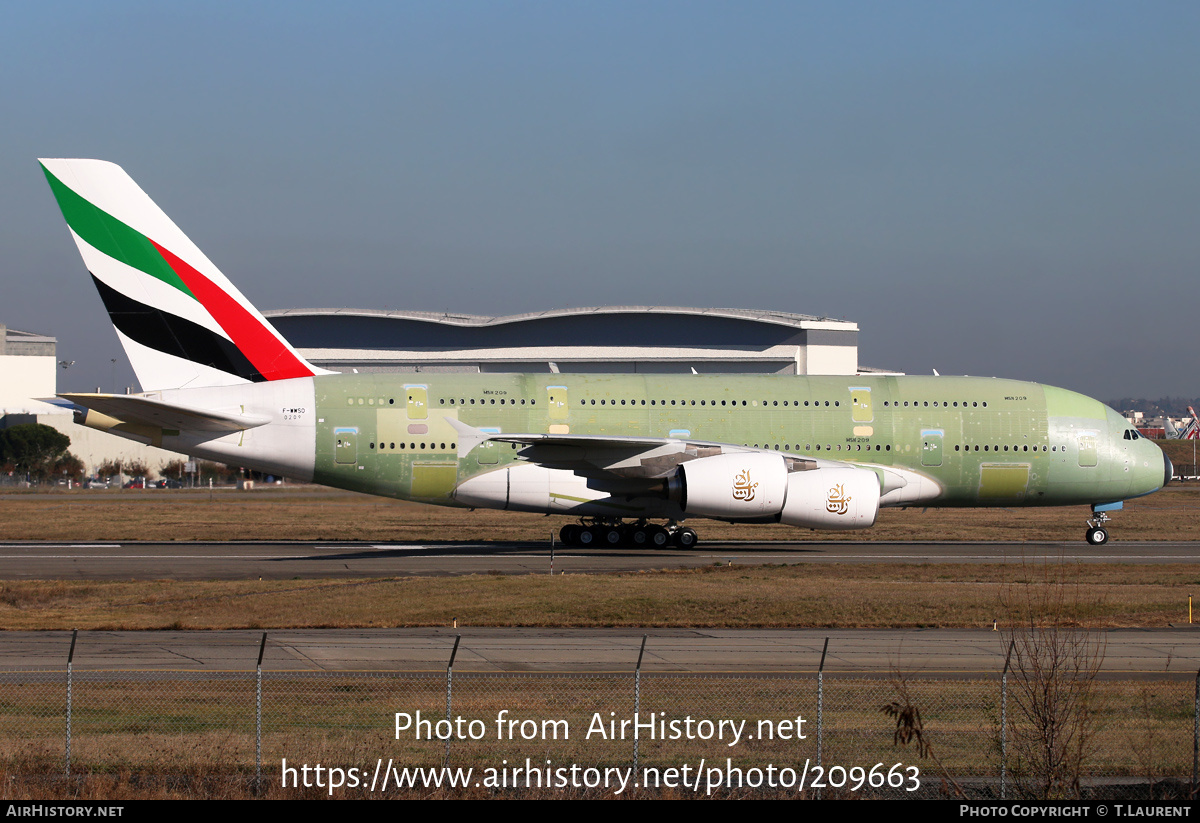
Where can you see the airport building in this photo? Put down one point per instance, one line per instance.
(627, 339)
(29, 369)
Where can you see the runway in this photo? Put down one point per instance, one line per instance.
(960, 653)
(306, 559)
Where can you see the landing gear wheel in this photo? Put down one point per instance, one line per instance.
(640, 537)
(586, 537)
(611, 535)
(569, 534)
(659, 537)
(685, 538)
(1097, 535)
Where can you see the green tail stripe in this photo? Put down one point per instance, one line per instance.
(108, 234)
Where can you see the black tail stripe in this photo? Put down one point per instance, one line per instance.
(170, 334)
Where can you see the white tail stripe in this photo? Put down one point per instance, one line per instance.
(107, 187)
(143, 288)
(157, 370)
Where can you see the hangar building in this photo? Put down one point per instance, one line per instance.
(630, 339)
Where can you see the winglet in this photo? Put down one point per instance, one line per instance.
(468, 436)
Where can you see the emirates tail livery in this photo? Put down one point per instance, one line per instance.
(616, 451)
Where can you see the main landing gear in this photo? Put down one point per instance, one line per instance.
(603, 533)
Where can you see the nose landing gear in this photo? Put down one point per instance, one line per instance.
(1096, 534)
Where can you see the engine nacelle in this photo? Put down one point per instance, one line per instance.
(736, 486)
(756, 486)
(529, 488)
(832, 498)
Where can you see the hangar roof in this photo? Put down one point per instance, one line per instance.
(604, 326)
(802, 321)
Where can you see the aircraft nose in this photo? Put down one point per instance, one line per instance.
(1168, 470)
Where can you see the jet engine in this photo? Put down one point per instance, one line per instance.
(758, 486)
(735, 486)
(832, 498)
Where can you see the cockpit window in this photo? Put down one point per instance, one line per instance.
(1131, 434)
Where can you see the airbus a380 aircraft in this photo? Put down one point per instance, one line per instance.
(619, 451)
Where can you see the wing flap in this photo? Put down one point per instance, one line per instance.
(648, 458)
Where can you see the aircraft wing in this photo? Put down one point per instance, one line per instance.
(634, 459)
(141, 411)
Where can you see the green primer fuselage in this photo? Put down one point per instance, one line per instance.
(984, 441)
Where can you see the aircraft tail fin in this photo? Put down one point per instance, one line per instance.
(182, 323)
(1192, 430)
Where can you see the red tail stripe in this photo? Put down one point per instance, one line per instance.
(262, 348)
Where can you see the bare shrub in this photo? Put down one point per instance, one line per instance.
(910, 730)
(1054, 662)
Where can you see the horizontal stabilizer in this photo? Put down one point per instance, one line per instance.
(142, 411)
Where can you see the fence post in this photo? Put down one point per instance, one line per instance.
(449, 687)
(637, 705)
(1196, 734)
(70, 679)
(821, 706)
(258, 717)
(1004, 721)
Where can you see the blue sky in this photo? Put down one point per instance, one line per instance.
(1005, 189)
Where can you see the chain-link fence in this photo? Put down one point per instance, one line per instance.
(813, 733)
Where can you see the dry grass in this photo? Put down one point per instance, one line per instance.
(211, 759)
(835, 596)
(848, 595)
(204, 741)
(317, 513)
